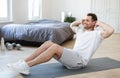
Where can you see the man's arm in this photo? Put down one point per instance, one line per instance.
(75, 25)
(107, 29)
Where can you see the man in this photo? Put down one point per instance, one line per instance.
(87, 41)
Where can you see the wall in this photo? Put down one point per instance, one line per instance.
(78, 8)
(46, 11)
(20, 11)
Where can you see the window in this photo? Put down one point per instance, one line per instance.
(35, 9)
(5, 10)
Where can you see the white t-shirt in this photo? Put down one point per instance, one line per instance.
(87, 42)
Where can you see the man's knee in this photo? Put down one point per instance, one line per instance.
(57, 49)
(56, 46)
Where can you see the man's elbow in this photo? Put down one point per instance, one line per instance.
(111, 31)
(107, 34)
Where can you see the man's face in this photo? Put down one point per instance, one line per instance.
(88, 23)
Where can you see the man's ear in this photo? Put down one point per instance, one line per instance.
(95, 24)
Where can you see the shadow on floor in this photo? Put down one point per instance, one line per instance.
(54, 70)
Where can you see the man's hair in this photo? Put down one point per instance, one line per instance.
(94, 17)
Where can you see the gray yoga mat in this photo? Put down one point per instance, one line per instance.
(54, 70)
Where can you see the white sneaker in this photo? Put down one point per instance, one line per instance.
(6, 72)
(20, 66)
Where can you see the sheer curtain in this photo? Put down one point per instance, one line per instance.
(35, 9)
(5, 10)
(108, 11)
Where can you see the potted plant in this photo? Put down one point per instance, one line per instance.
(69, 19)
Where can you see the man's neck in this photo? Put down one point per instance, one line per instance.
(90, 29)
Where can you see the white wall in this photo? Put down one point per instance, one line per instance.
(78, 8)
(20, 11)
(46, 5)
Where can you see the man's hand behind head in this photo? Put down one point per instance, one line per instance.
(83, 21)
(97, 24)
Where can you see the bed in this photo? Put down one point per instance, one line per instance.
(38, 31)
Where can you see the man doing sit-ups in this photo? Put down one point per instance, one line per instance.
(88, 39)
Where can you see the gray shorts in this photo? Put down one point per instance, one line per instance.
(71, 59)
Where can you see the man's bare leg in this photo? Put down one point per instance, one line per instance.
(41, 49)
(54, 50)
(23, 66)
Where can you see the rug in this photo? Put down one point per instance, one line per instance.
(54, 70)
